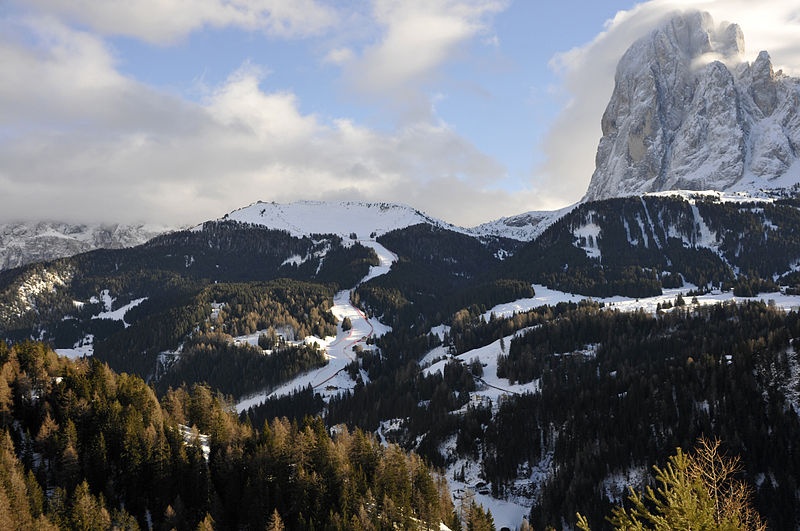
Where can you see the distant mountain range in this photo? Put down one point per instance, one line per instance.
(25, 243)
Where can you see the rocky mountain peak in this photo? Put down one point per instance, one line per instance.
(24, 243)
(763, 88)
(688, 113)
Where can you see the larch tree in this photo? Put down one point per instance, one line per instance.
(696, 491)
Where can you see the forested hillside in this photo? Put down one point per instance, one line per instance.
(191, 293)
(635, 246)
(615, 393)
(85, 448)
(554, 408)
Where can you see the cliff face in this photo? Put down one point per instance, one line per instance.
(25, 243)
(688, 113)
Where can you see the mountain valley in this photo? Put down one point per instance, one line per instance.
(430, 376)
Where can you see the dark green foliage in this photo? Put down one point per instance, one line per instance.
(238, 370)
(655, 383)
(299, 404)
(438, 272)
(645, 385)
(171, 272)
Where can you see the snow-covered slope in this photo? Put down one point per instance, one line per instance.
(369, 220)
(688, 113)
(523, 227)
(365, 220)
(24, 243)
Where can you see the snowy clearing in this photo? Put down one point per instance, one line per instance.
(119, 313)
(82, 348)
(332, 378)
(547, 296)
(493, 387)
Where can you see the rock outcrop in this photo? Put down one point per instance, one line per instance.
(688, 113)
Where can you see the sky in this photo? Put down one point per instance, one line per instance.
(176, 112)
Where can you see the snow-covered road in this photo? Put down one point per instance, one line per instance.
(332, 378)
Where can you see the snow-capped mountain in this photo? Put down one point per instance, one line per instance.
(370, 220)
(688, 113)
(343, 218)
(25, 243)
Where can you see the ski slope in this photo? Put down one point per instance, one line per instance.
(333, 378)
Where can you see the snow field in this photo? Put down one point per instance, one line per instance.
(545, 295)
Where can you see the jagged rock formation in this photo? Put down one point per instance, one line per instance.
(25, 243)
(688, 113)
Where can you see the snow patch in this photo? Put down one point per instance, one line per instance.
(586, 238)
(119, 313)
(547, 296)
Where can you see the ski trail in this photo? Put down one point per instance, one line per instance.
(333, 377)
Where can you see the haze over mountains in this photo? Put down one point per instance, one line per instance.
(23, 243)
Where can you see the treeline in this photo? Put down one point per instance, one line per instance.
(108, 453)
(640, 241)
(644, 240)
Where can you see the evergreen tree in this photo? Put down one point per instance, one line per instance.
(696, 492)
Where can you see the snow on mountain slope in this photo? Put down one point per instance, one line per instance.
(365, 220)
(369, 220)
(687, 113)
(332, 378)
(551, 297)
(25, 243)
(523, 227)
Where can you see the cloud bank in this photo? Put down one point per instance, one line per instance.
(167, 21)
(82, 141)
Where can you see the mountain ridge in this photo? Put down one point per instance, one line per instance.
(688, 113)
(23, 243)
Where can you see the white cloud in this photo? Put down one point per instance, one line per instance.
(165, 21)
(587, 75)
(101, 146)
(339, 56)
(419, 37)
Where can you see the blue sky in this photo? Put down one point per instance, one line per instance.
(142, 110)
